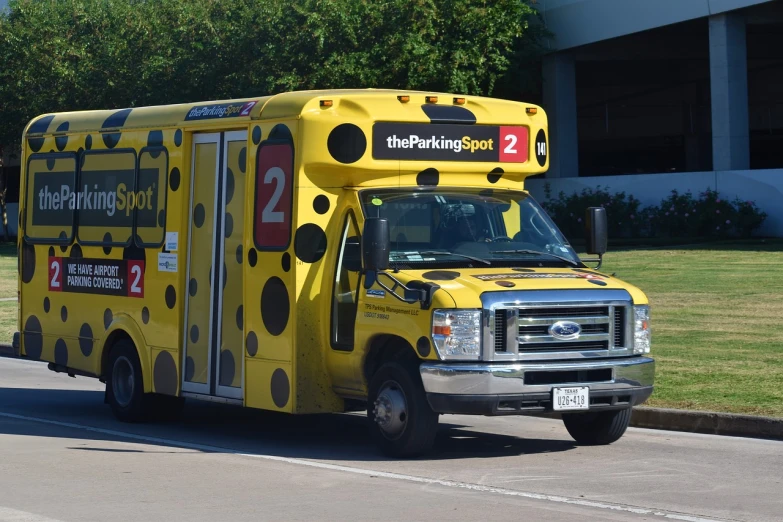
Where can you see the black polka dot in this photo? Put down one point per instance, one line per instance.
(171, 297)
(505, 284)
(85, 339)
(155, 138)
(190, 368)
(33, 340)
(229, 185)
(51, 251)
(35, 143)
(107, 239)
(76, 252)
(321, 204)
(88, 142)
(229, 225)
(145, 315)
(47, 304)
(540, 147)
(161, 218)
(61, 141)
(116, 119)
(428, 177)
(281, 132)
(239, 254)
(243, 160)
(194, 334)
(310, 243)
(108, 317)
(286, 262)
(199, 215)
(597, 282)
(193, 287)
(50, 162)
(28, 262)
(252, 344)
(440, 275)
(347, 143)
(495, 175)
(240, 321)
(174, 179)
(252, 257)
(111, 139)
(227, 368)
(178, 137)
(256, 135)
(64, 238)
(60, 353)
(135, 253)
(423, 346)
(64, 313)
(280, 388)
(165, 374)
(275, 306)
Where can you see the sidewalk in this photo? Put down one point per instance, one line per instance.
(676, 420)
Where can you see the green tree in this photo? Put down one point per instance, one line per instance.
(63, 55)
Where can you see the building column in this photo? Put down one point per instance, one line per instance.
(729, 88)
(560, 106)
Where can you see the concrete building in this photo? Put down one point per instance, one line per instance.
(646, 96)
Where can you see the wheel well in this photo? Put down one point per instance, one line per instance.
(107, 346)
(387, 348)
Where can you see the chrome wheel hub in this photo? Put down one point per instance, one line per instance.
(122, 381)
(390, 410)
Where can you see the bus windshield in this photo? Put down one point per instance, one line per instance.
(468, 226)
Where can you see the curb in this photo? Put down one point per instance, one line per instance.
(708, 422)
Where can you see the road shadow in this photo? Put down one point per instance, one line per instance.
(233, 429)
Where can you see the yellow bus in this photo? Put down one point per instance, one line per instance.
(310, 251)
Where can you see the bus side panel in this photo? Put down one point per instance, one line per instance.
(269, 297)
(67, 321)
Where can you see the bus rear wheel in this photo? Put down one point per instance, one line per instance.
(125, 385)
(402, 422)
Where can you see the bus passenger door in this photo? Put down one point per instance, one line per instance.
(213, 359)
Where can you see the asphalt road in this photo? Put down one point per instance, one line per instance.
(63, 457)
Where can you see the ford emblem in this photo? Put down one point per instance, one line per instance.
(565, 330)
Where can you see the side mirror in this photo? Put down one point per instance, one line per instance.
(596, 231)
(375, 244)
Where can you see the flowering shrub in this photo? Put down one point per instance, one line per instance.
(678, 215)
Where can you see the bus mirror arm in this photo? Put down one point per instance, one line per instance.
(415, 292)
(599, 260)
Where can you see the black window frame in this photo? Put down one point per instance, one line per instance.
(45, 240)
(342, 347)
(163, 186)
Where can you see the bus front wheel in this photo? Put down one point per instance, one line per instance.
(402, 422)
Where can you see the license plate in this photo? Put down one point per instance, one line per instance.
(571, 398)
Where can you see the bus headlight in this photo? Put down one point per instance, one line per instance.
(641, 329)
(457, 334)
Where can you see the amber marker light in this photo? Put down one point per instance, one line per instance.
(441, 330)
(404, 98)
(326, 103)
(459, 101)
(531, 110)
(431, 99)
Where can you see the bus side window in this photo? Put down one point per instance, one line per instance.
(346, 287)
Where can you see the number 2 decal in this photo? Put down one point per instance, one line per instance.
(274, 180)
(55, 274)
(135, 278)
(515, 144)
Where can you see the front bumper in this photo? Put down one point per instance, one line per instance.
(504, 389)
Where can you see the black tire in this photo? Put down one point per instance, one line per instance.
(419, 422)
(599, 428)
(127, 399)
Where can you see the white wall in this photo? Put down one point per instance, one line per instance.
(579, 22)
(764, 187)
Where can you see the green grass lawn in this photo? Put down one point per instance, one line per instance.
(715, 315)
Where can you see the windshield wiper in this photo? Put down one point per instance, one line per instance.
(446, 253)
(569, 261)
